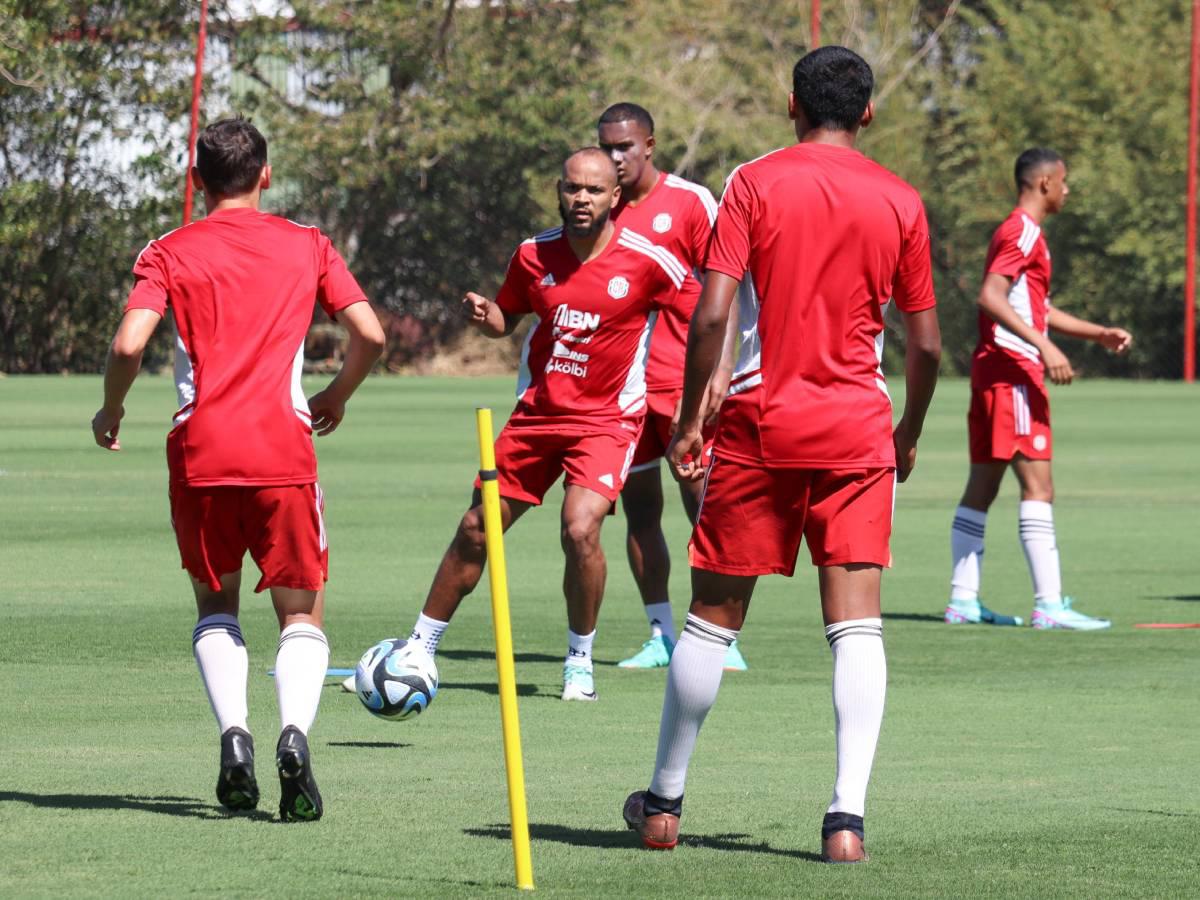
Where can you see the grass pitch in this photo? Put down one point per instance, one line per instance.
(1012, 762)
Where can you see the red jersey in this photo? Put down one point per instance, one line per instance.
(241, 284)
(1018, 250)
(584, 364)
(678, 215)
(827, 239)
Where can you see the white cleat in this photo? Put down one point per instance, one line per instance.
(578, 683)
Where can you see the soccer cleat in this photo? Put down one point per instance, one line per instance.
(961, 612)
(236, 787)
(1063, 617)
(299, 799)
(842, 839)
(655, 654)
(578, 683)
(349, 686)
(734, 661)
(654, 819)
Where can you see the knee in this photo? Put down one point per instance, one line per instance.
(580, 536)
(1043, 493)
(470, 539)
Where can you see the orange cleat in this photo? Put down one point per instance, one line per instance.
(842, 839)
(657, 825)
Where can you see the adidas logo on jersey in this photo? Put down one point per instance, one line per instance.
(549, 281)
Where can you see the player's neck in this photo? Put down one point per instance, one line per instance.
(828, 136)
(588, 248)
(1032, 206)
(645, 184)
(214, 204)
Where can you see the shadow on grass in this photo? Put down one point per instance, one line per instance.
(486, 687)
(624, 840)
(369, 745)
(184, 807)
(1185, 598)
(1154, 812)
(912, 617)
(517, 657)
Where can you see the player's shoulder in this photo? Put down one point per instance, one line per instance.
(651, 255)
(530, 250)
(692, 192)
(764, 167)
(1020, 229)
(543, 237)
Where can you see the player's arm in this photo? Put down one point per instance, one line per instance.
(121, 368)
(923, 354)
(993, 300)
(718, 384)
(328, 407)
(488, 318)
(1115, 339)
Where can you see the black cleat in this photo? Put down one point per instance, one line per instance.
(299, 800)
(236, 788)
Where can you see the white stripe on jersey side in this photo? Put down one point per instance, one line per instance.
(1029, 235)
(668, 258)
(185, 380)
(524, 376)
(705, 195)
(880, 381)
(542, 236)
(299, 401)
(750, 347)
(661, 255)
(1018, 299)
(633, 395)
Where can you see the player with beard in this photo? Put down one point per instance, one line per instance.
(678, 215)
(596, 289)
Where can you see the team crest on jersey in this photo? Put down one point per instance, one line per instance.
(661, 223)
(618, 287)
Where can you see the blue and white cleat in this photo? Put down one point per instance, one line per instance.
(578, 683)
(734, 661)
(1063, 618)
(655, 654)
(961, 612)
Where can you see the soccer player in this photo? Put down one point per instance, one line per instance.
(243, 475)
(678, 215)
(1009, 419)
(805, 445)
(581, 395)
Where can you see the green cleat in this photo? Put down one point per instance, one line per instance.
(655, 654)
(1063, 618)
(734, 661)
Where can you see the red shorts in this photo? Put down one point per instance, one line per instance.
(1009, 419)
(282, 527)
(657, 433)
(530, 458)
(752, 518)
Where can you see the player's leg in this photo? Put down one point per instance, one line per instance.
(1051, 609)
(650, 562)
(584, 574)
(966, 546)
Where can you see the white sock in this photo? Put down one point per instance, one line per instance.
(966, 551)
(579, 648)
(693, 680)
(428, 633)
(224, 668)
(659, 615)
(300, 666)
(1041, 551)
(859, 686)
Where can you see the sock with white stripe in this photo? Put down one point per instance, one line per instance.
(659, 615)
(224, 668)
(859, 687)
(693, 679)
(300, 665)
(428, 633)
(966, 551)
(579, 649)
(1041, 551)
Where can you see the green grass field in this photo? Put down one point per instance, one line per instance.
(1012, 762)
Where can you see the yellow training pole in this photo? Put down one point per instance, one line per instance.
(498, 578)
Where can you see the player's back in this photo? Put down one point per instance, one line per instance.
(832, 238)
(242, 284)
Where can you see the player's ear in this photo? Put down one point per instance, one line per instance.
(650, 146)
(793, 108)
(264, 178)
(197, 181)
(616, 197)
(868, 115)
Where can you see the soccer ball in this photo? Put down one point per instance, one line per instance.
(396, 679)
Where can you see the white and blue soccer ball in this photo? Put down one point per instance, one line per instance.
(396, 679)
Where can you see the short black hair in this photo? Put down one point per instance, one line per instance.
(1029, 162)
(833, 86)
(627, 112)
(230, 154)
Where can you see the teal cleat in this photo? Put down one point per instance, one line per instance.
(578, 683)
(1063, 618)
(963, 612)
(655, 654)
(734, 661)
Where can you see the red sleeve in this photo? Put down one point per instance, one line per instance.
(729, 251)
(150, 285)
(514, 293)
(1004, 255)
(913, 289)
(336, 287)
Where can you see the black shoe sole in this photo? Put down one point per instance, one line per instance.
(237, 789)
(299, 801)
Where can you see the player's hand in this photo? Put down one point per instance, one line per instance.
(475, 308)
(906, 452)
(327, 411)
(1116, 340)
(685, 454)
(1058, 367)
(105, 425)
(714, 395)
